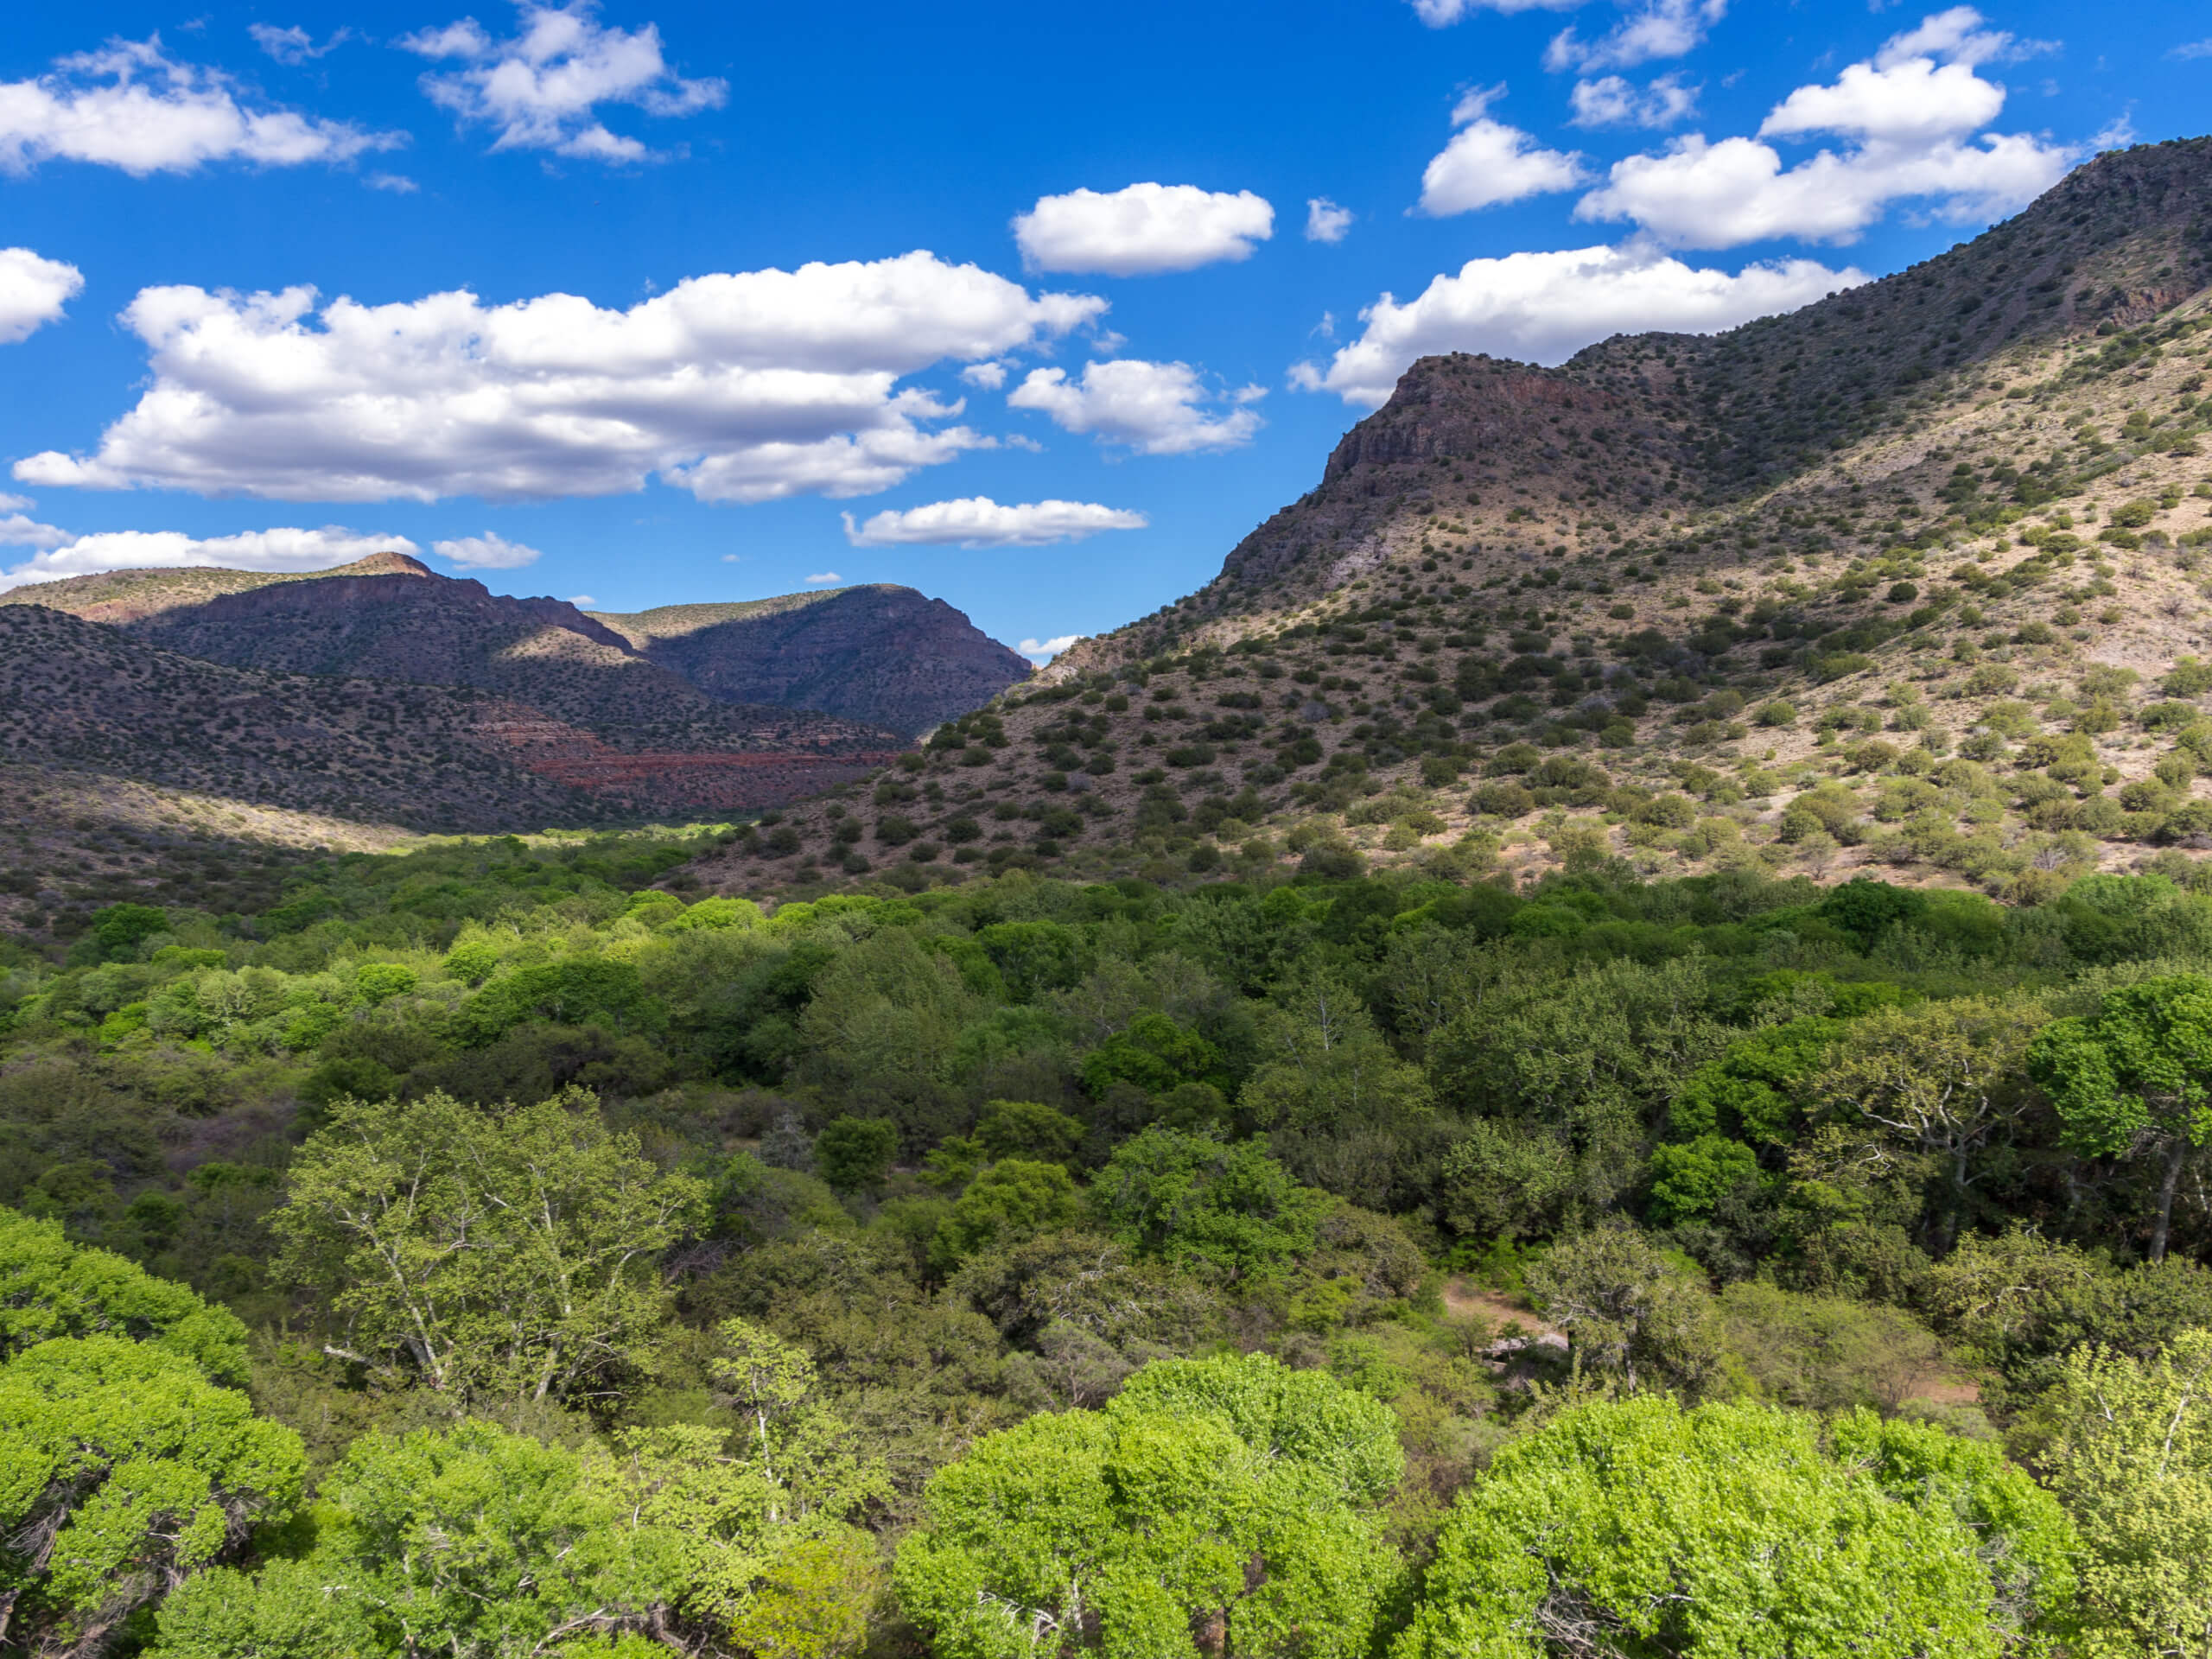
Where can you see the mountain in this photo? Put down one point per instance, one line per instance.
(687, 676)
(90, 699)
(389, 618)
(1908, 579)
(881, 654)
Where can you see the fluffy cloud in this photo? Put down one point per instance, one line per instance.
(978, 521)
(254, 549)
(128, 106)
(543, 88)
(1664, 28)
(1141, 231)
(19, 528)
(742, 386)
(33, 291)
(1325, 221)
(1909, 120)
(1487, 163)
(1611, 101)
(1045, 649)
(1442, 14)
(824, 579)
(1545, 307)
(1156, 409)
(485, 552)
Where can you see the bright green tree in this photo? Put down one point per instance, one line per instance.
(2135, 1079)
(123, 1470)
(2131, 1460)
(1225, 1506)
(467, 1541)
(50, 1287)
(1638, 1527)
(486, 1253)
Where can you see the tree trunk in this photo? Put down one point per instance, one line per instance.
(2169, 1184)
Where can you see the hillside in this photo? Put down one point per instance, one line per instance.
(389, 618)
(1907, 578)
(879, 654)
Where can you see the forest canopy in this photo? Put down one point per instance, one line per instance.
(1329, 1265)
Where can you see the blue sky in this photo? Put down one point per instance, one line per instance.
(1037, 309)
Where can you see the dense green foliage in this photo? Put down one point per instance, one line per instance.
(1243, 1268)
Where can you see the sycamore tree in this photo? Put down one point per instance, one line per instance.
(1216, 1506)
(1637, 1527)
(510, 1252)
(2135, 1080)
(2131, 1458)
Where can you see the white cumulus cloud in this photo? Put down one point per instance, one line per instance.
(542, 89)
(1155, 408)
(978, 521)
(742, 386)
(1325, 221)
(1611, 101)
(1487, 163)
(1661, 28)
(131, 106)
(1909, 120)
(33, 291)
(283, 549)
(1043, 651)
(824, 579)
(1141, 231)
(485, 552)
(1546, 306)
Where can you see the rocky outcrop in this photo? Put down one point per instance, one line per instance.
(884, 655)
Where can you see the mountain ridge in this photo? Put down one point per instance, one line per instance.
(1906, 579)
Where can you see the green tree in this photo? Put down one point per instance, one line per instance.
(1194, 1197)
(1636, 1527)
(1629, 1308)
(854, 1154)
(467, 1541)
(509, 1253)
(2132, 1080)
(2131, 1457)
(1943, 1077)
(50, 1287)
(122, 1471)
(1014, 1199)
(1222, 1506)
(1023, 1129)
(1327, 1067)
(765, 1507)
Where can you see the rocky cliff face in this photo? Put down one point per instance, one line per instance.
(881, 654)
